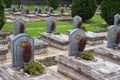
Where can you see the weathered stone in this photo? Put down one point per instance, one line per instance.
(76, 21)
(3, 52)
(74, 38)
(97, 69)
(17, 49)
(57, 40)
(17, 26)
(9, 73)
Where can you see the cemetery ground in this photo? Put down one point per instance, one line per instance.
(34, 28)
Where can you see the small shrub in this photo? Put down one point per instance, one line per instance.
(87, 56)
(8, 3)
(34, 68)
(54, 3)
(84, 8)
(108, 9)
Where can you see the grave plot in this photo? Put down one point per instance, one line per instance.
(19, 28)
(111, 50)
(3, 52)
(79, 64)
(57, 40)
(23, 62)
(93, 38)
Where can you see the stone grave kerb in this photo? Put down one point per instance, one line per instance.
(76, 20)
(17, 50)
(48, 24)
(74, 38)
(16, 26)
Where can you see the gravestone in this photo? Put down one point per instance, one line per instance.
(74, 38)
(26, 11)
(77, 22)
(39, 11)
(112, 32)
(17, 28)
(35, 9)
(51, 25)
(17, 49)
(51, 10)
(46, 8)
(13, 7)
(21, 6)
(61, 10)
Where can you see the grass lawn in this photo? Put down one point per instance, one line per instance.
(35, 28)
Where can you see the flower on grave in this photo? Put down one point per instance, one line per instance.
(52, 25)
(117, 39)
(27, 52)
(81, 45)
(22, 27)
(118, 22)
(79, 24)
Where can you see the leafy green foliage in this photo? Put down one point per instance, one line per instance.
(86, 56)
(2, 15)
(34, 68)
(83, 8)
(8, 3)
(54, 3)
(109, 8)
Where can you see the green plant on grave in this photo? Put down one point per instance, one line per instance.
(2, 15)
(108, 9)
(87, 56)
(34, 68)
(84, 8)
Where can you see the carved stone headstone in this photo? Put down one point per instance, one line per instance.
(26, 11)
(51, 10)
(21, 6)
(39, 11)
(13, 7)
(74, 38)
(112, 32)
(51, 25)
(61, 10)
(35, 9)
(77, 22)
(17, 49)
(46, 8)
(19, 26)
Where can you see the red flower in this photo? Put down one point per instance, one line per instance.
(22, 27)
(79, 24)
(117, 40)
(53, 25)
(82, 43)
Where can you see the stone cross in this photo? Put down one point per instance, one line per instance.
(19, 25)
(51, 25)
(17, 49)
(112, 32)
(74, 38)
(77, 22)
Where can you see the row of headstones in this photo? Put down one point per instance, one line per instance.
(37, 10)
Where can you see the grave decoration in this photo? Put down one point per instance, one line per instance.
(92, 38)
(87, 66)
(50, 36)
(111, 50)
(19, 28)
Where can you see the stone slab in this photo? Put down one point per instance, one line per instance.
(108, 52)
(57, 38)
(9, 73)
(97, 69)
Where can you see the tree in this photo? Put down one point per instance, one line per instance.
(8, 3)
(108, 9)
(2, 15)
(54, 3)
(84, 8)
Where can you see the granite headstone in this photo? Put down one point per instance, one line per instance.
(77, 22)
(51, 20)
(17, 49)
(17, 24)
(74, 38)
